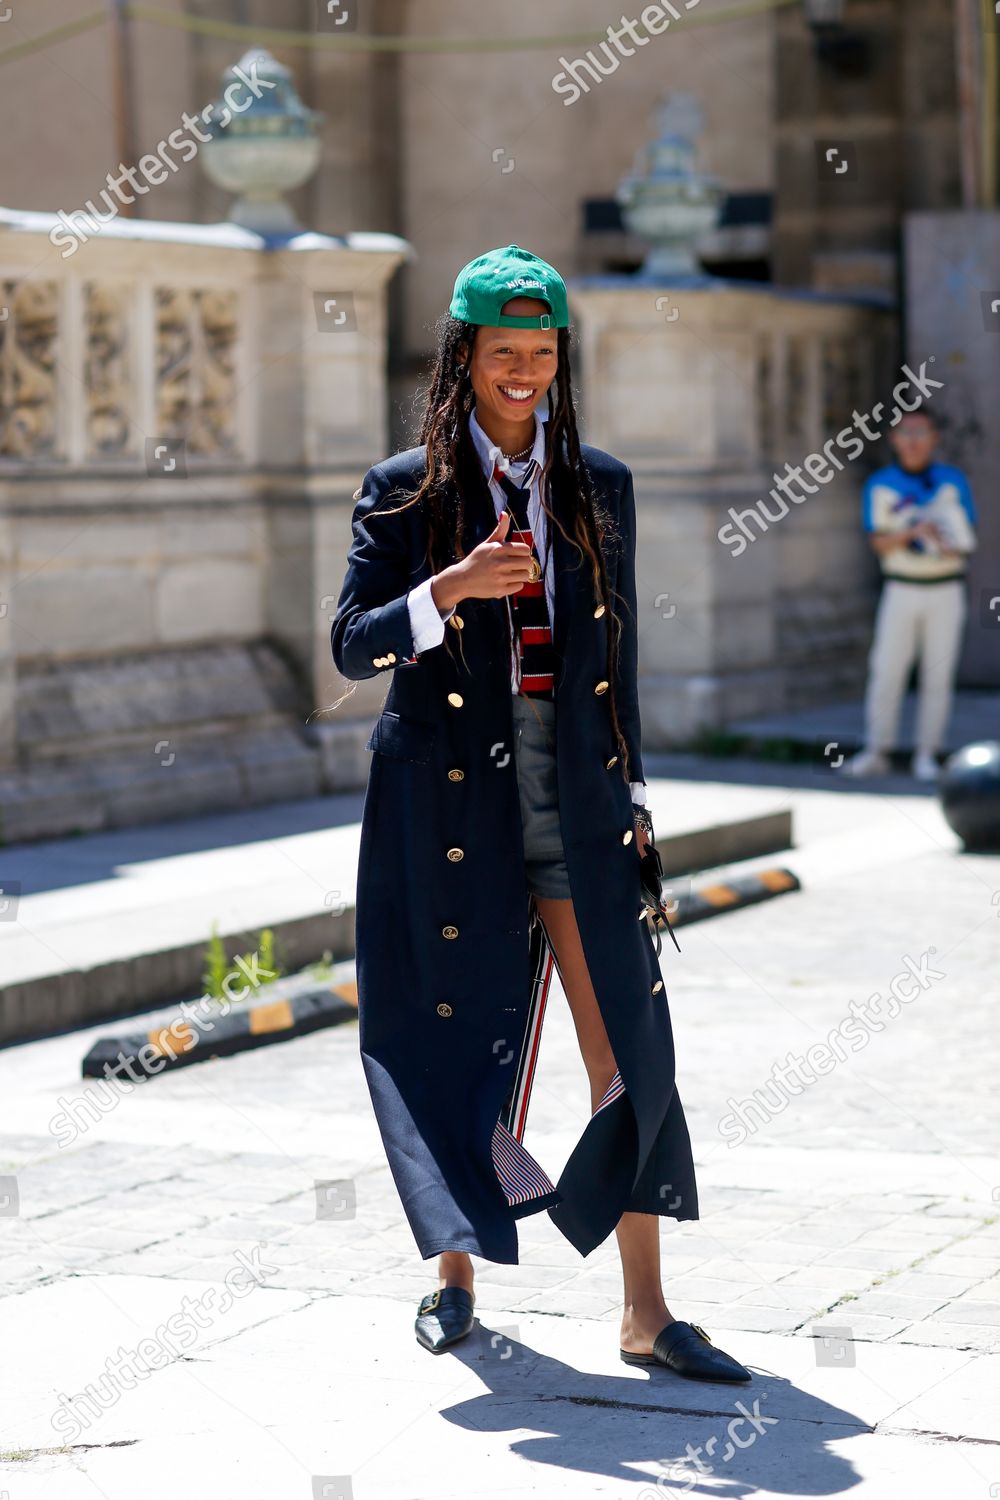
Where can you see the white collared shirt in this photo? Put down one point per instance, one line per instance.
(426, 621)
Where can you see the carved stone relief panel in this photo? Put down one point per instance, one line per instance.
(29, 335)
(843, 383)
(108, 378)
(766, 383)
(796, 414)
(196, 334)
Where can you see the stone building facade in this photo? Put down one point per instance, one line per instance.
(141, 617)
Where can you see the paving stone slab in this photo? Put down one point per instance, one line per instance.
(964, 1403)
(967, 1310)
(885, 1303)
(338, 1387)
(938, 1332)
(66, 1331)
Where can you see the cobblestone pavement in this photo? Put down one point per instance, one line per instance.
(858, 1197)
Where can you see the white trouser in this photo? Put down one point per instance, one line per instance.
(915, 621)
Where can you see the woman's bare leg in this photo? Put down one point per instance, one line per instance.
(645, 1312)
(455, 1269)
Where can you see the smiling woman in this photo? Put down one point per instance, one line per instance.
(506, 806)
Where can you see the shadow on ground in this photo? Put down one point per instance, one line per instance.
(669, 1435)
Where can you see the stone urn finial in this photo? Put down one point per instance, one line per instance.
(264, 142)
(666, 199)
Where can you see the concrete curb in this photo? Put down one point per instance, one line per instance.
(729, 895)
(186, 1038)
(189, 1038)
(85, 997)
(107, 989)
(712, 847)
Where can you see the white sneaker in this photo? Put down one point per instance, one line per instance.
(925, 768)
(867, 763)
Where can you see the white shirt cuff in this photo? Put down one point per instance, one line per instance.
(426, 620)
(638, 790)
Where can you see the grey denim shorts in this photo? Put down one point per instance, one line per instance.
(535, 759)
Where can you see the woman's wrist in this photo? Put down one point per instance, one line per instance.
(643, 818)
(445, 589)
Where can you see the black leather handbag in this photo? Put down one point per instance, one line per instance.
(654, 908)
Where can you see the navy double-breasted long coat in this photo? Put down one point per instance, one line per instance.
(452, 959)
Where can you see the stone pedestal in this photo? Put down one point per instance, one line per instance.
(707, 390)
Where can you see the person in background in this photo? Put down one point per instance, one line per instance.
(920, 518)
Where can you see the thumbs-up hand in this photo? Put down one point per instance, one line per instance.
(493, 569)
(500, 530)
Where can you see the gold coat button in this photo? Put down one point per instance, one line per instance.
(456, 775)
(657, 986)
(601, 687)
(378, 661)
(612, 762)
(456, 700)
(598, 612)
(455, 855)
(444, 1010)
(449, 932)
(457, 622)
(391, 658)
(627, 836)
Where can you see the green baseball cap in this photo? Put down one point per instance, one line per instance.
(488, 282)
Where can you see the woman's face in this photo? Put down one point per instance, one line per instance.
(512, 368)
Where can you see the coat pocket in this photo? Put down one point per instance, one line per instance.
(401, 738)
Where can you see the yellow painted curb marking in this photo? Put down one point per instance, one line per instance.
(719, 895)
(274, 1017)
(173, 1041)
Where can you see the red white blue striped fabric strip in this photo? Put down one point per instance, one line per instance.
(520, 1175)
(614, 1091)
(541, 968)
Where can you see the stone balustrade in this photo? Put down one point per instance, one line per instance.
(185, 413)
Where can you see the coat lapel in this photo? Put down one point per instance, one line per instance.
(568, 594)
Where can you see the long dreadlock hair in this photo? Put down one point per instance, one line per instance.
(452, 470)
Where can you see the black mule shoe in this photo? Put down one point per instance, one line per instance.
(444, 1317)
(687, 1350)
